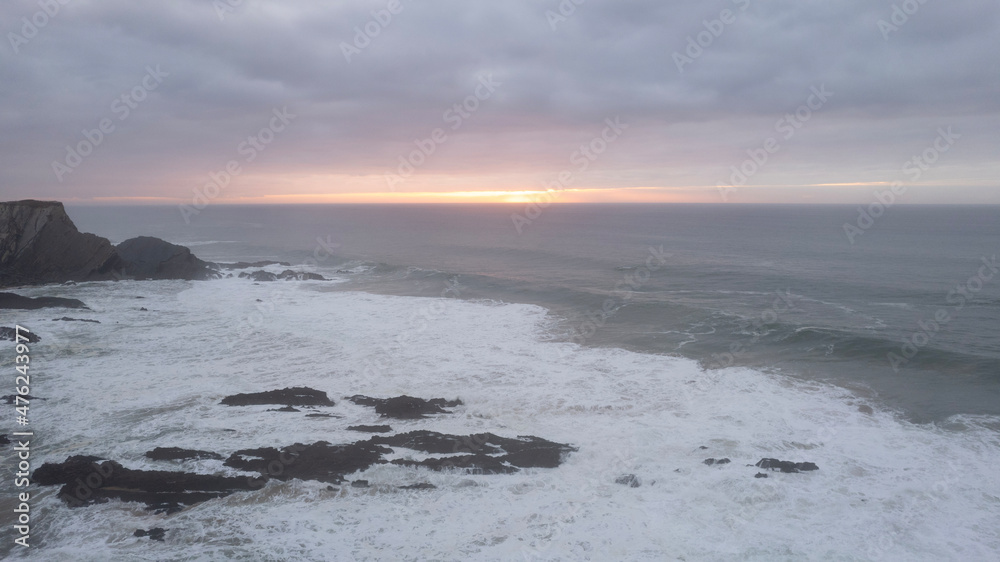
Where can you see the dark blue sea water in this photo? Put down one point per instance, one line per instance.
(907, 314)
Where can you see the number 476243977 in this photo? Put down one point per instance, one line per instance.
(21, 365)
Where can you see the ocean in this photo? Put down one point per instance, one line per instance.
(651, 337)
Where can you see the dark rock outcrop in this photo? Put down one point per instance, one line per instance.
(10, 334)
(371, 428)
(178, 454)
(319, 461)
(68, 319)
(710, 462)
(406, 407)
(11, 301)
(89, 480)
(156, 533)
(260, 275)
(487, 453)
(296, 396)
(40, 244)
(786, 466)
(4, 440)
(151, 258)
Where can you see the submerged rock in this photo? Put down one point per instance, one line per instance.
(10, 334)
(371, 428)
(760, 475)
(406, 407)
(176, 453)
(630, 480)
(11, 398)
(711, 462)
(285, 409)
(156, 533)
(89, 480)
(419, 486)
(786, 466)
(295, 396)
(12, 301)
(68, 319)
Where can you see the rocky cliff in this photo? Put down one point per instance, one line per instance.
(40, 244)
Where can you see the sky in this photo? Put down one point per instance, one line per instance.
(191, 102)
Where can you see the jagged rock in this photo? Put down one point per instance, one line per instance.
(143, 309)
(89, 480)
(359, 484)
(10, 334)
(710, 462)
(177, 454)
(245, 265)
(156, 533)
(151, 258)
(786, 466)
(488, 452)
(630, 480)
(260, 275)
(419, 486)
(11, 301)
(371, 428)
(68, 319)
(319, 461)
(406, 407)
(760, 475)
(40, 244)
(297, 396)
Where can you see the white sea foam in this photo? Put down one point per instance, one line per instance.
(886, 489)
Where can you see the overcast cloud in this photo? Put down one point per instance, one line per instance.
(220, 74)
